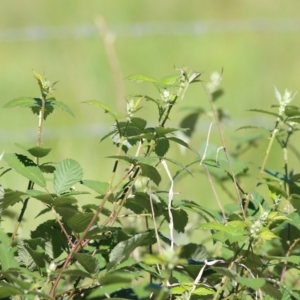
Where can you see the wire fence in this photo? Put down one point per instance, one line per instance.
(141, 29)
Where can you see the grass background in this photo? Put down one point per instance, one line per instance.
(255, 42)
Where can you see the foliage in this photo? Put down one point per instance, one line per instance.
(76, 254)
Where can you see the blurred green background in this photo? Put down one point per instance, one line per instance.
(255, 42)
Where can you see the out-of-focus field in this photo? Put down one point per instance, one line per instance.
(255, 42)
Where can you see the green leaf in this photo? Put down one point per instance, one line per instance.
(76, 273)
(89, 262)
(39, 151)
(266, 112)
(150, 172)
(106, 109)
(55, 239)
(180, 142)
(42, 196)
(162, 146)
(139, 203)
(59, 105)
(24, 257)
(139, 122)
(23, 102)
(252, 283)
(97, 186)
(140, 78)
(64, 201)
(123, 249)
(7, 290)
(11, 198)
(47, 168)
(266, 235)
(67, 173)
(38, 255)
(7, 258)
(169, 80)
(79, 221)
(162, 131)
(67, 211)
(180, 218)
(216, 95)
(35, 151)
(194, 251)
(26, 167)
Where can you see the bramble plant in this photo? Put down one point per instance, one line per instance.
(78, 255)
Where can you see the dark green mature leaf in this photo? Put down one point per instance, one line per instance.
(38, 255)
(64, 201)
(67, 211)
(194, 251)
(26, 167)
(162, 146)
(11, 198)
(150, 172)
(272, 290)
(7, 258)
(140, 78)
(89, 262)
(23, 102)
(47, 168)
(97, 293)
(55, 240)
(42, 196)
(180, 218)
(79, 221)
(190, 121)
(39, 151)
(162, 131)
(59, 105)
(35, 151)
(123, 249)
(216, 95)
(75, 272)
(67, 173)
(97, 186)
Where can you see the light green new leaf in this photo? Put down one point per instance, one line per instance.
(253, 283)
(26, 167)
(140, 78)
(22, 102)
(97, 186)
(89, 262)
(169, 80)
(122, 250)
(106, 109)
(7, 258)
(67, 173)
